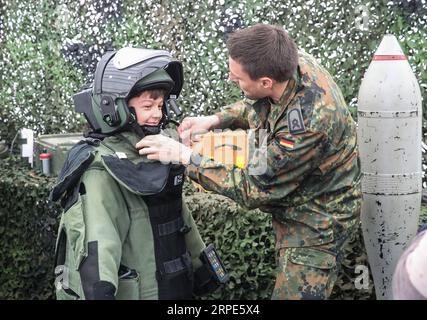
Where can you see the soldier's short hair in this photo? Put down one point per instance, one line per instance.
(264, 51)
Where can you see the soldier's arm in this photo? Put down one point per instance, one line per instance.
(234, 116)
(288, 159)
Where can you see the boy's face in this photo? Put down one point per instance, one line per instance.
(148, 110)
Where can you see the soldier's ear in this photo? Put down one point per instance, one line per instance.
(266, 82)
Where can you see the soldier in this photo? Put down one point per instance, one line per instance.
(311, 182)
(125, 232)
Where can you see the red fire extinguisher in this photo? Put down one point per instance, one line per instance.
(45, 159)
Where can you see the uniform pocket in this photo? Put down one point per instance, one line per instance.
(305, 273)
(66, 279)
(313, 258)
(74, 225)
(128, 289)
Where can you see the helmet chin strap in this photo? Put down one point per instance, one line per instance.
(149, 130)
(144, 130)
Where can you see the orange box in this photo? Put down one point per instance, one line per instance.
(227, 147)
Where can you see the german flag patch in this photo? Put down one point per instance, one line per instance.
(287, 143)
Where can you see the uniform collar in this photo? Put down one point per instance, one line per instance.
(278, 109)
(124, 143)
(275, 111)
(131, 137)
(289, 91)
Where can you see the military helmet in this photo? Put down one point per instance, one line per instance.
(118, 75)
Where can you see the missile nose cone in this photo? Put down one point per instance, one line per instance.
(389, 83)
(389, 46)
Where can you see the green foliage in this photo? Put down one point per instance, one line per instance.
(423, 215)
(244, 240)
(28, 232)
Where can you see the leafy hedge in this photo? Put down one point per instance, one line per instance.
(28, 224)
(245, 241)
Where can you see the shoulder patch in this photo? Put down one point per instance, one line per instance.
(295, 121)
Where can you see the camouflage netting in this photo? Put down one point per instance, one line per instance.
(49, 50)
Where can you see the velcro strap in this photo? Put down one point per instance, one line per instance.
(177, 264)
(170, 227)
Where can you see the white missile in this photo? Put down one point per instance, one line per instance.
(389, 139)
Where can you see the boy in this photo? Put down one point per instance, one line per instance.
(125, 232)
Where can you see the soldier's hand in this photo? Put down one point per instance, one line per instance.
(164, 149)
(192, 128)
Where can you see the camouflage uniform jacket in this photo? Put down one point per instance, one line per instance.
(311, 184)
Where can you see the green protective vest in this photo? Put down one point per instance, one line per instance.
(125, 231)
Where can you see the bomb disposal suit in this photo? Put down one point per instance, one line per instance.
(125, 231)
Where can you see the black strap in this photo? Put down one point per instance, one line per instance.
(204, 281)
(177, 264)
(93, 138)
(173, 266)
(103, 290)
(78, 160)
(60, 254)
(171, 227)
